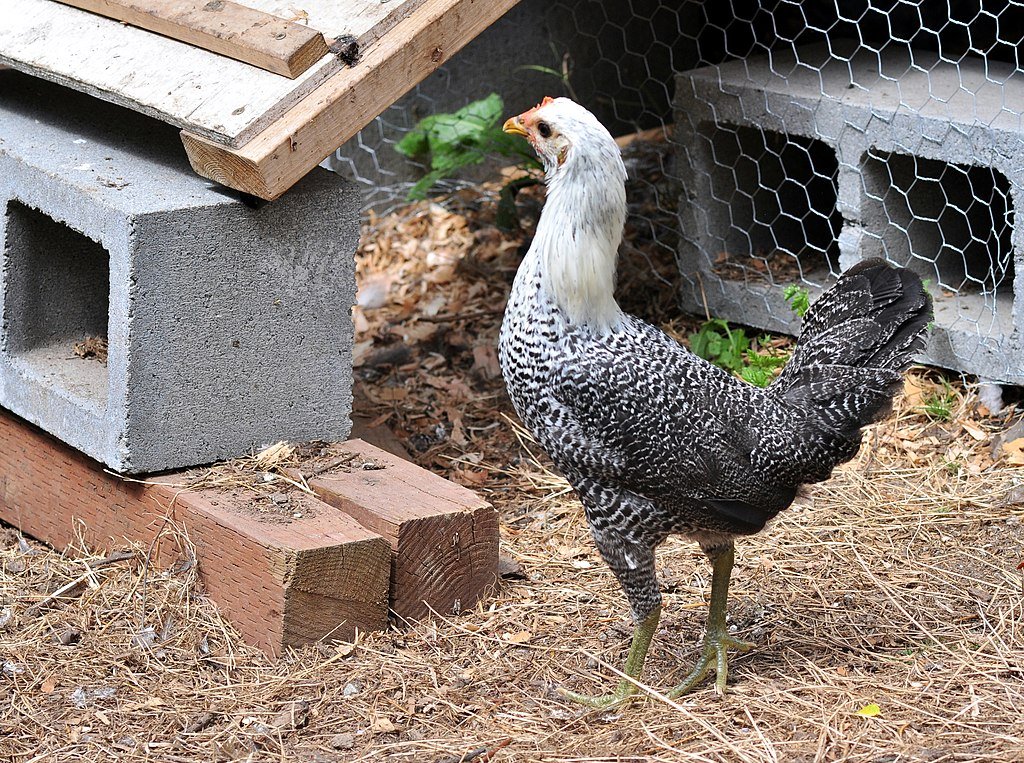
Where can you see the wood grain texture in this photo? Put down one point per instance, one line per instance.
(300, 139)
(444, 537)
(226, 101)
(281, 585)
(221, 26)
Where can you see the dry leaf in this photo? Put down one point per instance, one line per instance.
(974, 431)
(373, 291)
(470, 477)
(383, 725)
(419, 332)
(571, 552)
(359, 322)
(915, 389)
(295, 715)
(49, 685)
(1013, 451)
(359, 352)
(485, 360)
(345, 650)
(520, 637)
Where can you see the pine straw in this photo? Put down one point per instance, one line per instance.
(894, 584)
(890, 584)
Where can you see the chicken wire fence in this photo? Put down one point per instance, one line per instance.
(780, 143)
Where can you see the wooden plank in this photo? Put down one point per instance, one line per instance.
(280, 583)
(444, 537)
(223, 100)
(299, 140)
(224, 27)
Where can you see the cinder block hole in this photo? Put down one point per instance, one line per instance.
(773, 204)
(951, 223)
(56, 305)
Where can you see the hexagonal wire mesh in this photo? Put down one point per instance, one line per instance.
(804, 136)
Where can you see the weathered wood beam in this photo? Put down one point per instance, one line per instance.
(221, 26)
(281, 584)
(444, 537)
(275, 159)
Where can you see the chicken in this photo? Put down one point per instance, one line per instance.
(655, 440)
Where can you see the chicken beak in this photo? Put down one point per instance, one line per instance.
(514, 126)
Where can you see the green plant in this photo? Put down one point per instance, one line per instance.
(938, 404)
(953, 467)
(733, 350)
(449, 142)
(798, 297)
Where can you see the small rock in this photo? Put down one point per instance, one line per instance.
(126, 743)
(14, 566)
(68, 637)
(351, 689)
(145, 638)
(82, 697)
(295, 715)
(200, 722)
(509, 568)
(343, 741)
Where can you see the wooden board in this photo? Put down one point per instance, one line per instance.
(444, 537)
(222, 26)
(298, 140)
(223, 100)
(281, 584)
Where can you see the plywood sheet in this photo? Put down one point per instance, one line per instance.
(222, 100)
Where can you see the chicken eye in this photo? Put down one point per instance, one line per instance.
(544, 129)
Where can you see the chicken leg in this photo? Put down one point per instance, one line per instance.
(633, 668)
(717, 639)
(716, 642)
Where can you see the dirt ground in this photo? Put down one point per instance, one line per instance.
(886, 606)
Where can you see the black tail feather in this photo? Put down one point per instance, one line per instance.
(857, 339)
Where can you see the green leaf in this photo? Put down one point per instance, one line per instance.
(468, 136)
(731, 349)
(756, 375)
(798, 297)
(487, 110)
(414, 144)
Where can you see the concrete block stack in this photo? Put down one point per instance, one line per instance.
(226, 325)
(828, 158)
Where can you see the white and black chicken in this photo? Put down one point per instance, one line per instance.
(654, 439)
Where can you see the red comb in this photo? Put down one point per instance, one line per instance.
(547, 99)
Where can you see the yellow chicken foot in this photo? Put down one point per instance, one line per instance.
(717, 640)
(633, 668)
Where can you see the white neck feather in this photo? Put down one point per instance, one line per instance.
(578, 235)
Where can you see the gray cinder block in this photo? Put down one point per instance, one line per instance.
(918, 162)
(228, 326)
